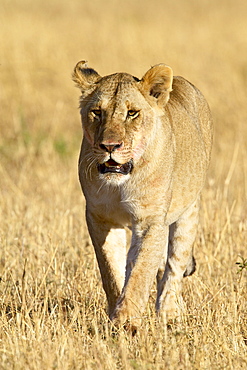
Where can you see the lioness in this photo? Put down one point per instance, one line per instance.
(143, 161)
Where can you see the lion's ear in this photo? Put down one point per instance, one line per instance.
(157, 82)
(84, 77)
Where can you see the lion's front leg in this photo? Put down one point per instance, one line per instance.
(110, 248)
(143, 261)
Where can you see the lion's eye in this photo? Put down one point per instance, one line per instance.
(133, 113)
(96, 112)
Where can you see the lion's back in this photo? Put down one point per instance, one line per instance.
(191, 121)
(187, 100)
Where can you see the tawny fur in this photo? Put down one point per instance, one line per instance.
(164, 126)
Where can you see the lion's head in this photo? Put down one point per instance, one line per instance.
(118, 113)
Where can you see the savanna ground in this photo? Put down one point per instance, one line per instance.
(52, 306)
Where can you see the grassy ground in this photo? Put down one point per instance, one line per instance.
(52, 306)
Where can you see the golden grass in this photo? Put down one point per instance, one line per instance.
(51, 300)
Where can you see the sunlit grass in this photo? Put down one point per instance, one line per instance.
(52, 306)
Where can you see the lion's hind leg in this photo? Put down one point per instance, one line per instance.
(180, 263)
(191, 266)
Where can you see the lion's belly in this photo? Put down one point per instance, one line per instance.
(184, 193)
(177, 209)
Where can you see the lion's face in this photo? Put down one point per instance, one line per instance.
(114, 118)
(118, 115)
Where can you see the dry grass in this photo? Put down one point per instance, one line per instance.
(51, 301)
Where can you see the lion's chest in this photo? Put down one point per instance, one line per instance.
(111, 207)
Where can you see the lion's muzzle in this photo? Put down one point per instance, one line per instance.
(114, 167)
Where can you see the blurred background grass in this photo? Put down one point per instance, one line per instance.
(41, 41)
(46, 255)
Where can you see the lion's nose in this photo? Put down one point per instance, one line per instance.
(110, 147)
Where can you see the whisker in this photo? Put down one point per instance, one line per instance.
(90, 167)
(101, 186)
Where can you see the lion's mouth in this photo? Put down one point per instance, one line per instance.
(114, 167)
